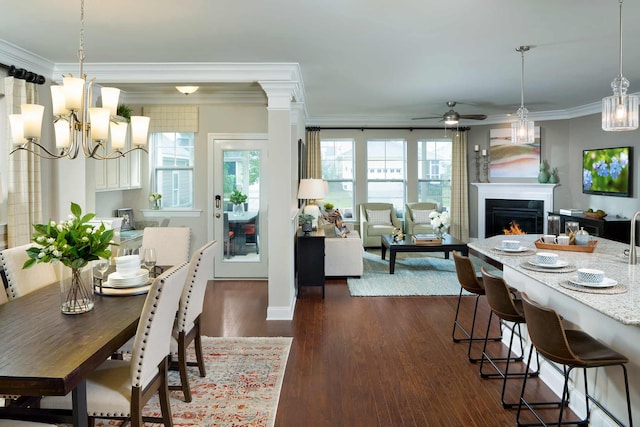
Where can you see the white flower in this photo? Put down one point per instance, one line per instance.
(57, 253)
(41, 239)
(51, 240)
(440, 220)
(85, 238)
(41, 254)
(70, 217)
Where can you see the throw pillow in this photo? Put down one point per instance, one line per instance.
(339, 223)
(379, 217)
(329, 230)
(421, 217)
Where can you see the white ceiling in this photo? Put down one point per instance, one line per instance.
(362, 61)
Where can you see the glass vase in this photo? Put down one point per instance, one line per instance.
(76, 290)
(155, 204)
(238, 208)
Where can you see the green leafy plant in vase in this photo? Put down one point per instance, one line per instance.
(237, 198)
(306, 222)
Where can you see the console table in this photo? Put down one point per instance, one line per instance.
(613, 228)
(310, 259)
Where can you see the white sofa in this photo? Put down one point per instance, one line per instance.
(343, 255)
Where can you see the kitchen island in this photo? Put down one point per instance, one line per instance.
(613, 318)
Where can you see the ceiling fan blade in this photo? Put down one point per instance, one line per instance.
(473, 116)
(425, 118)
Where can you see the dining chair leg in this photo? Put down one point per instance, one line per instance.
(165, 405)
(198, 346)
(182, 366)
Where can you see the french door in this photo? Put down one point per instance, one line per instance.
(236, 165)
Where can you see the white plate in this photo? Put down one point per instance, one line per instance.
(558, 264)
(123, 291)
(140, 278)
(520, 249)
(606, 283)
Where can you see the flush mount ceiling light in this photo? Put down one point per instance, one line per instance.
(451, 118)
(187, 90)
(522, 129)
(77, 123)
(620, 111)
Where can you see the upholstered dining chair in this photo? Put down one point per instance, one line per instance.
(120, 389)
(171, 244)
(187, 325)
(252, 232)
(21, 282)
(572, 348)
(228, 237)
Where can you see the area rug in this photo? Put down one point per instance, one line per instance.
(241, 389)
(414, 274)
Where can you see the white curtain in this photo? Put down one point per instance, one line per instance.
(24, 205)
(459, 188)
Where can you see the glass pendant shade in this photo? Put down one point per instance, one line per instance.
(62, 131)
(58, 101)
(110, 97)
(17, 129)
(73, 93)
(118, 135)
(32, 120)
(620, 111)
(522, 130)
(99, 118)
(139, 130)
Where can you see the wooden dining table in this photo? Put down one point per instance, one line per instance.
(46, 352)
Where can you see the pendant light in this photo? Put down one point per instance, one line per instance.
(620, 111)
(522, 129)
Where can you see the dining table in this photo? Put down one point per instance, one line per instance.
(45, 352)
(237, 221)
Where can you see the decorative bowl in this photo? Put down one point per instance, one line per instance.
(510, 244)
(590, 275)
(546, 258)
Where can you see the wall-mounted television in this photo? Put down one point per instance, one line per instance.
(608, 171)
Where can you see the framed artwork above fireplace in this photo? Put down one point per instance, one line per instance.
(513, 160)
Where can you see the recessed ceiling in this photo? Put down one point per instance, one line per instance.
(360, 61)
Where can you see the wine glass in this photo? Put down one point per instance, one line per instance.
(149, 258)
(102, 266)
(123, 251)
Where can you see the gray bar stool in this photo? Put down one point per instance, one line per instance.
(572, 349)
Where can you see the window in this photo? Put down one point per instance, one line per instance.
(386, 172)
(337, 170)
(172, 160)
(434, 172)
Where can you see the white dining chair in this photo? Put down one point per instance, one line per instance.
(23, 281)
(187, 325)
(171, 244)
(120, 389)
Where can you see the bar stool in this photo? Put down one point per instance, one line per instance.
(504, 305)
(470, 282)
(572, 349)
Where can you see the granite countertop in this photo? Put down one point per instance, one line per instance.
(607, 256)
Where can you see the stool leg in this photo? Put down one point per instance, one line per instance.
(469, 334)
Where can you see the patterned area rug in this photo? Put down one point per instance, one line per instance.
(414, 274)
(241, 389)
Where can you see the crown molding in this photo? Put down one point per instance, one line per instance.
(10, 54)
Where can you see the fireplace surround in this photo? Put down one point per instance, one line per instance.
(538, 193)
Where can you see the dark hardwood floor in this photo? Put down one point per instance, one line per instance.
(368, 361)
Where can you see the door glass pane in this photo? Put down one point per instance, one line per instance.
(241, 232)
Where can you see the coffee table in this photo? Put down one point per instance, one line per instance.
(448, 244)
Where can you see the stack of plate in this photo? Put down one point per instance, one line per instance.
(117, 280)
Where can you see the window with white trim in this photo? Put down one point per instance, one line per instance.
(386, 172)
(172, 159)
(434, 171)
(337, 170)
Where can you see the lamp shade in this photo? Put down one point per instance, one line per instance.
(311, 189)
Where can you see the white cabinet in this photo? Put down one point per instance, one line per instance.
(118, 174)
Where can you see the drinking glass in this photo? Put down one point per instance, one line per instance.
(123, 251)
(102, 266)
(149, 258)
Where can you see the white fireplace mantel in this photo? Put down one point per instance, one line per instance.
(512, 191)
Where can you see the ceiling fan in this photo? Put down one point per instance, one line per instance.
(452, 117)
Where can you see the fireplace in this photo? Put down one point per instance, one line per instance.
(524, 191)
(501, 213)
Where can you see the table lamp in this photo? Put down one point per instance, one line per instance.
(311, 190)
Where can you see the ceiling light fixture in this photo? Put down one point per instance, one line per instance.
(620, 111)
(187, 90)
(522, 129)
(451, 118)
(77, 123)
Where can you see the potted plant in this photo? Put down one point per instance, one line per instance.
(237, 198)
(306, 222)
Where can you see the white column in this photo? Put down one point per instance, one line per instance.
(282, 204)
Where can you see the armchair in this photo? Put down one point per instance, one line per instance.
(374, 223)
(421, 225)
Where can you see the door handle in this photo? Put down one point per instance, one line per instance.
(218, 202)
(218, 215)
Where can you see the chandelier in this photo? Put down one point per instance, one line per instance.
(620, 111)
(522, 131)
(98, 131)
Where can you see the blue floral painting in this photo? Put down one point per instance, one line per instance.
(606, 170)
